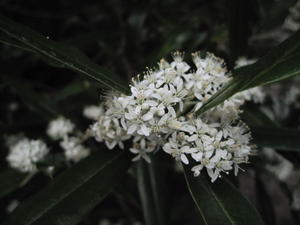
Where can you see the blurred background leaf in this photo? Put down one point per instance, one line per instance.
(84, 185)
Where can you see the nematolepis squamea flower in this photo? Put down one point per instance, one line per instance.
(153, 117)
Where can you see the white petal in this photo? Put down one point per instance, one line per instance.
(132, 129)
(184, 159)
(147, 158)
(123, 123)
(213, 174)
(129, 116)
(197, 156)
(134, 150)
(151, 103)
(219, 136)
(136, 158)
(134, 91)
(193, 138)
(144, 130)
(147, 116)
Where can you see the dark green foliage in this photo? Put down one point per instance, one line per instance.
(74, 193)
(221, 202)
(44, 43)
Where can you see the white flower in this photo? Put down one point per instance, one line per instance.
(243, 61)
(154, 116)
(59, 127)
(211, 146)
(141, 147)
(74, 150)
(12, 206)
(93, 112)
(26, 153)
(178, 63)
(166, 95)
(109, 130)
(178, 150)
(296, 199)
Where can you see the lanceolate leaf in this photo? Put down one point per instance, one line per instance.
(220, 202)
(10, 181)
(149, 189)
(66, 199)
(60, 55)
(5, 39)
(281, 63)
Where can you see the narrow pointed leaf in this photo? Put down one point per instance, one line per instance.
(149, 193)
(280, 63)
(58, 54)
(220, 202)
(66, 199)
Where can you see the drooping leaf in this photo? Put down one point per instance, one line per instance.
(66, 199)
(150, 194)
(280, 63)
(60, 55)
(220, 202)
(10, 181)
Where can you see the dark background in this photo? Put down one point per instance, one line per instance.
(124, 36)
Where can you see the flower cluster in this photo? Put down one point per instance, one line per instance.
(61, 129)
(24, 154)
(159, 113)
(212, 146)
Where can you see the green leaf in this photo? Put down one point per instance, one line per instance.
(7, 40)
(68, 57)
(267, 133)
(278, 138)
(66, 199)
(281, 63)
(220, 202)
(254, 117)
(10, 181)
(149, 190)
